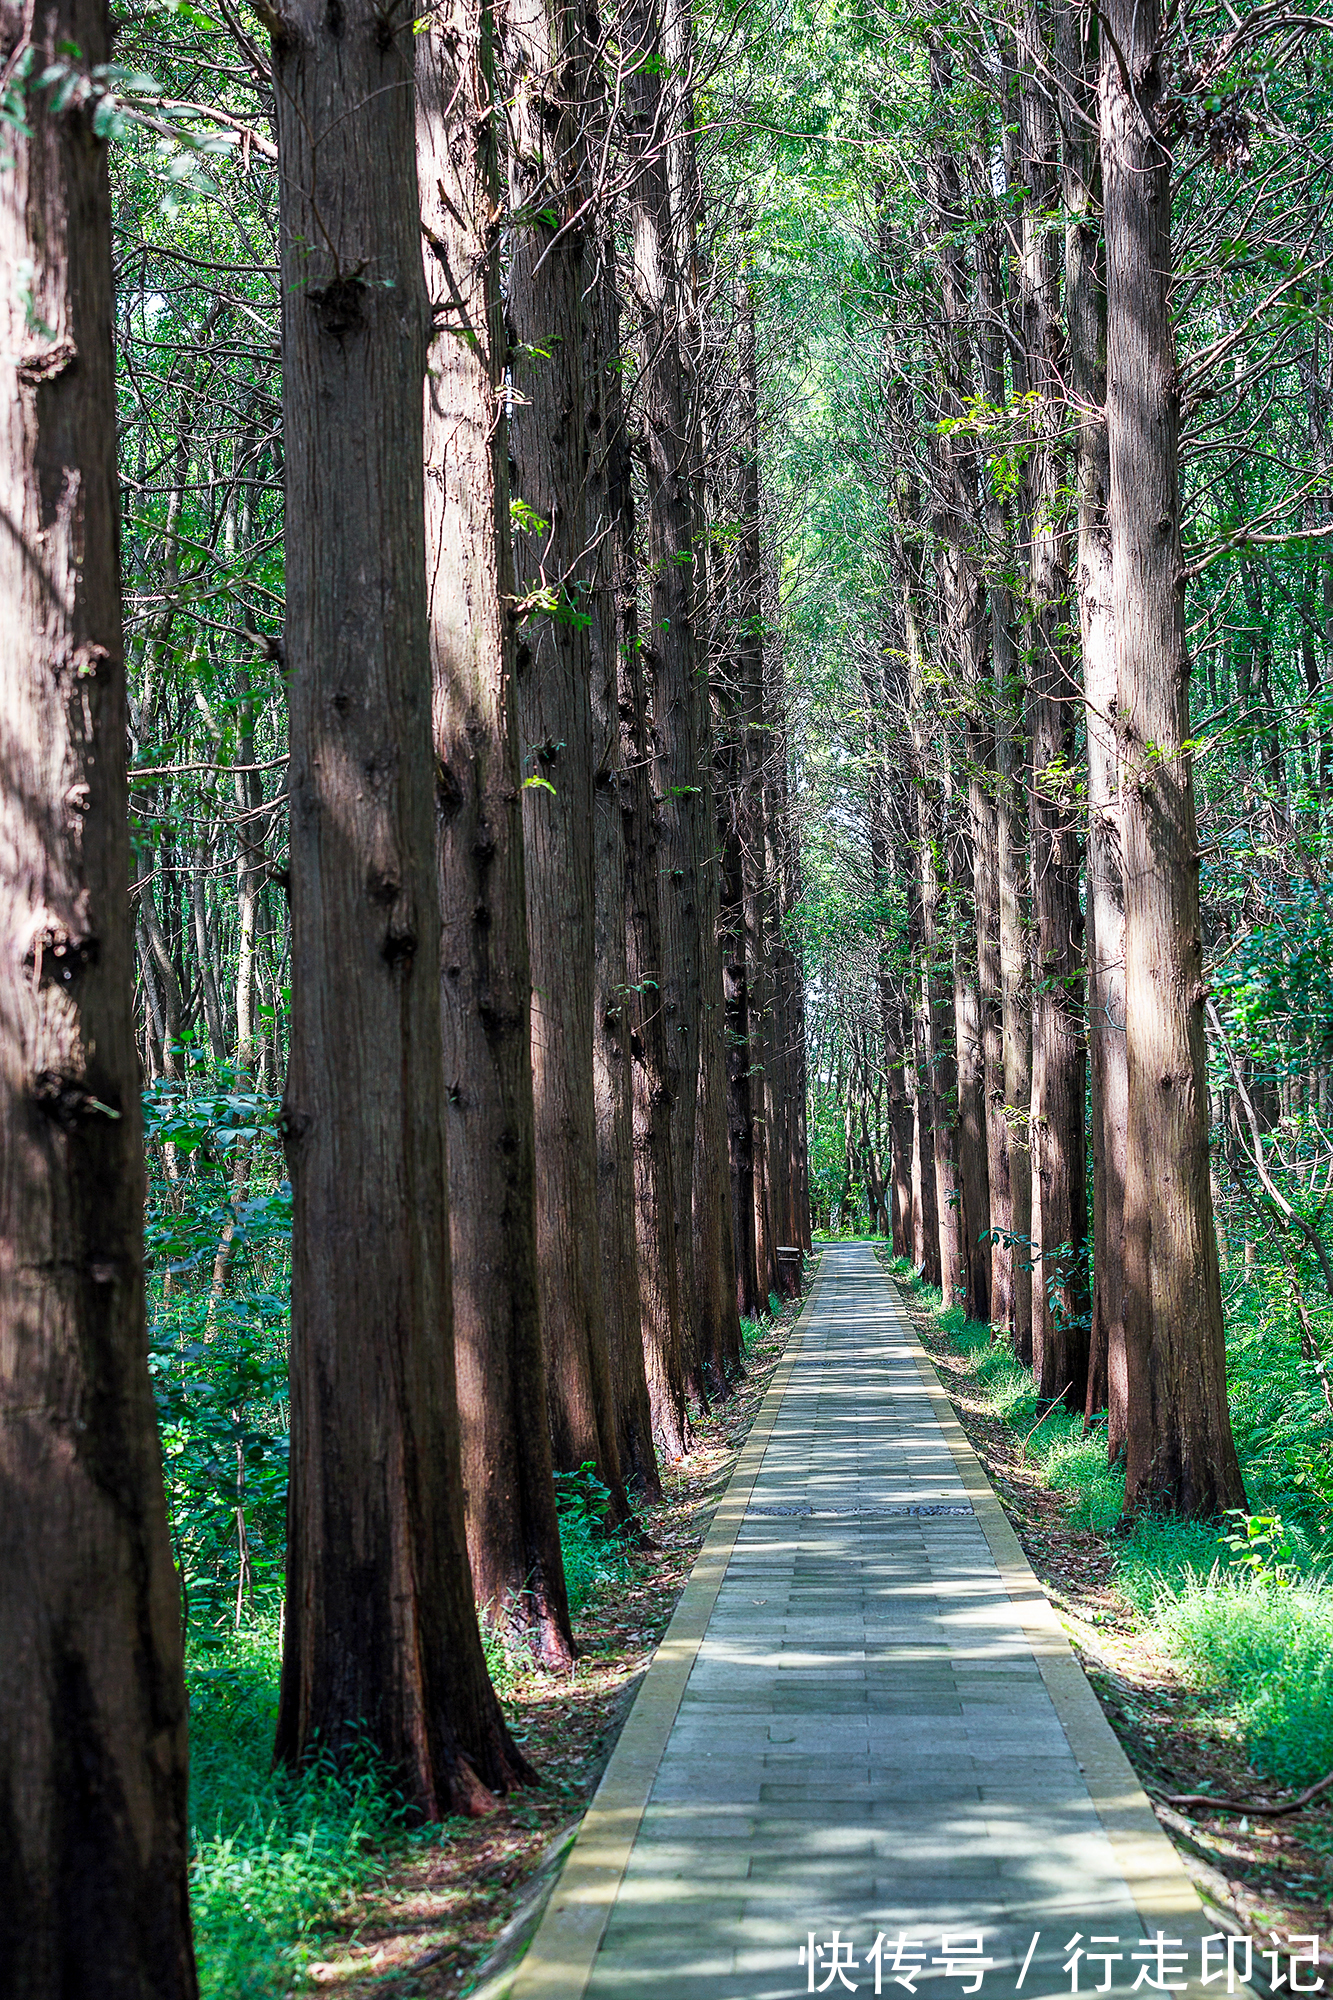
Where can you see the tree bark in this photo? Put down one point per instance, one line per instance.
(547, 444)
(654, 1178)
(1059, 1215)
(613, 1060)
(670, 651)
(93, 1808)
(1180, 1455)
(486, 983)
(717, 1319)
(1085, 308)
(1015, 990)
(381, 1632)
(963, 644)
(654, 1175)
(984, 759)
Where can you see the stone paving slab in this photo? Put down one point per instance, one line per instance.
(864, 1718)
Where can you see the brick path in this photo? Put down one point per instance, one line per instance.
(882, 1729)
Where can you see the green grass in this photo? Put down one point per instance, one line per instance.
(1253, 1627)
(274, 1853)
(1266, 1651)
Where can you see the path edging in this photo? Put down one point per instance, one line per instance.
(558, 1963)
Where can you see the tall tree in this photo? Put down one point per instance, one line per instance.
(381, 1631)
(1085, 313)
(1179, 1449)
(670, 647)
(654, 1161)
(992, 805)
(613, 626)
(92, 1696)
(513, 1535)
(546, 286)
(963, 643)
(1059, 1216)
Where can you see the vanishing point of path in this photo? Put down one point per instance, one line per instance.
(864, 1718)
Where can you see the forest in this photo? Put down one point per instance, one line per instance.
(636, 637)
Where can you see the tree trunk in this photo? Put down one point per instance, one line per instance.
(486, 982)
(736, 993)
(941, 1066)
(1180, 1454)
(93, 1852)
(925, 1207)
(1059, 1214)
(609, 496)
(1015, 990)
(1085, 307)
(717, 1319)
(382, 1642)
(984, 759)
(654, 1176)
(167, 978)
(203, 944)
(547, 440)
(740, 668)
(963, 644)
(669, 650)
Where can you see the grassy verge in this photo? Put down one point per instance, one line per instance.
(1243, 1607)
(273, 1853)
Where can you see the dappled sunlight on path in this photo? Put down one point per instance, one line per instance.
(866, 1740)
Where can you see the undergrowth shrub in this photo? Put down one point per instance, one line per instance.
(594, 1554)
(1267, 1651)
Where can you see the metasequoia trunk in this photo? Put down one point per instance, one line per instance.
(925, 1211)
(937, 1074)
(736, 994)
(717, 1320)
(1015, 990)
(1179, 1450)
(937, 1022)
(934, 1176)
(654, 1171)
(1085, 310)
(985, 755)
(733, 671)
(716, 1323)
(776, 1039)
(547, 439)
(792, 973)
(613, 1075)
(485, 984)
(963, 642)
(382, 1642)
(892, 1017)
(896, 1031)
(654, 1177)
(92, 1698)
(756, 892)
(669, 648)
(1059, 1221)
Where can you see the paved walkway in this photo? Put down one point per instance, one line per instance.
(864, 1718)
